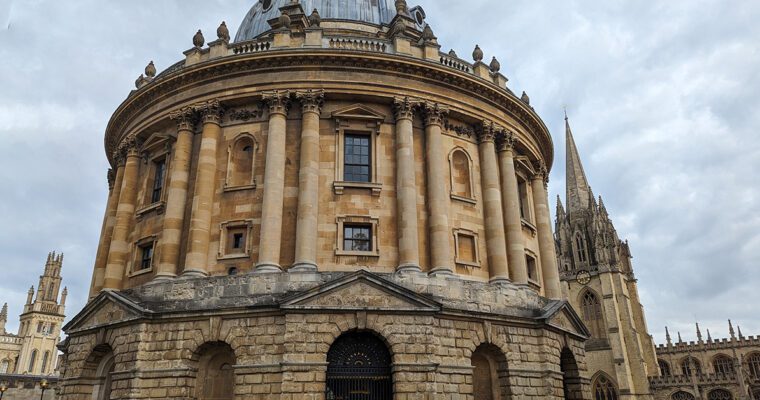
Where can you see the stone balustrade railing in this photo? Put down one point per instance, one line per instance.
(11, 340)
(680, 380)
(358, 44)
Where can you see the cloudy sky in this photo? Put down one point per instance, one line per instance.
(662, 96)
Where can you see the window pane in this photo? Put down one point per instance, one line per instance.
(356, 158)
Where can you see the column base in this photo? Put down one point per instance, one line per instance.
(500, 280)
(442, 272)
(193, 273)
(267, 268)
(163, 278)
(303, 266)
(408, 269)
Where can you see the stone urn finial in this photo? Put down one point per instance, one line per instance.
(495, 65)
(428, 35)
(150, 70)
(315, 19)
(401, 6)
(525, 98)
(285, 20)
(453, 53)
(198, 39)
(477, 54)
(223, 33)
(139, 81)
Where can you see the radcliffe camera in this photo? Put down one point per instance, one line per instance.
(379, 200)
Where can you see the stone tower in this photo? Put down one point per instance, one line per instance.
(598, 280)
(41, 321)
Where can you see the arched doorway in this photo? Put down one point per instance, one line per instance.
(571, 377)
(359, 368)
(216, 379)
(99, 367)
(489, 375)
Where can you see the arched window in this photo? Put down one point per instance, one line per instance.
(461, 174)
(753, 362)
(580, 249)
(489, 376)
(240, 162)
(720, 394)
(32, 359)
(4, 365)
(571, 377)
(216, 379)
(359, 362)
(50, 293)
(664, 368)
(681, 395)
(723, 365)
(45, 357)
(592, 314)
(604, 389)
(686, 366)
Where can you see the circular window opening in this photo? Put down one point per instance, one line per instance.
(266, 4)
(419, 17)
(232, 271)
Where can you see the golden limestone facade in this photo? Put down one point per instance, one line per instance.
(327, 207)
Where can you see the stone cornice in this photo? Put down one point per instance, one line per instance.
(175, 81)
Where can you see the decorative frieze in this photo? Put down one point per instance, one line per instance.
(245, 114)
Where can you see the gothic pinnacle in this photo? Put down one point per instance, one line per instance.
(731, 330)
(709, 338)
(699, 333)
(679, 338)
(667, 337)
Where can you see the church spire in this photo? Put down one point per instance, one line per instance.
(578, 191)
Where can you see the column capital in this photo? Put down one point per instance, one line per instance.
(486, 131)
(542, 172)
(130, 147)
(311, 100)
(278, 101)
(403, 107)
(185, 118)
(210, 111)
(435, 114)
(505, 140)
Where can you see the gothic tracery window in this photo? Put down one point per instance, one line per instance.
(723, 365)
(592, 314)
(682, 396)
(45, 357)
(580, 248)
(753, 362)
(688, 363)
(664, 368)
(720, 394)
(32, 359)
(604, 389)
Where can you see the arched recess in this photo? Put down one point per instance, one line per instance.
(720, 394)
(603, 388)
(682, 395)
(5, 366)
(753, 364)
(460, 167)
(490, 375)
(215, 379)
(593, 316)
(689, 364)
(664, 368)
(359, 362)
(571, 376)
(241, 160)
(45, 360)
(723, 364)
(32, 361)
(99, 367)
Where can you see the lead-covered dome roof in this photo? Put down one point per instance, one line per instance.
(376, 12)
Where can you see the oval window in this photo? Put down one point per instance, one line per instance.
(266, 4)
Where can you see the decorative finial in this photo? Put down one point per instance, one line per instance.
(401, 6)
(495, 65)
(525, 98)
(223, 33)
(477, 54)
(140, 79)
(453, 53)
(428, 35)
(315, 19)
(150, 70)
(667, 333)
(285, 20)
(198, 39)
(679, 338)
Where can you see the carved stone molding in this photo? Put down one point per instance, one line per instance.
(278, 101)
(185, 118)
(460, 130)
(435, 114)
(486, 131)
(311, 100)
(404, 107)
(245, 115)
(211, 111)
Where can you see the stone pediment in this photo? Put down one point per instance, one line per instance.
(107, 308)
(360, 291)
(561, 315)
(357, 111)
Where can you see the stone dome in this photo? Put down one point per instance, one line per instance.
(376, 12)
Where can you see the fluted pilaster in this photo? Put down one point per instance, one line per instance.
(308, 182)
(441, 261)
(518, 268)
(545, 237)
(406, 189)
(492, 209)
(274, 183)
(197, 259)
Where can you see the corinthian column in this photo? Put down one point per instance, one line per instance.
(437, 201)
(109, 220)
(176, 199)
(125, 212)
(493, 215)
(518, 269)
(274, 183)
(308, 182)
(545, 238)
(196, 260)
(406, 189)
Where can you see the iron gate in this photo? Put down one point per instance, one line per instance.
(359, 369)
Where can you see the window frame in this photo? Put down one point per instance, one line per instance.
(147, 205)
(362, 137)
(357, 120)
(228, 185)
(458, 232)
(137, 256)
(372, 222)
(538, 279)
(224, 235)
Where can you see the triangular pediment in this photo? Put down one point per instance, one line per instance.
(105, 309)
(358, 111)
(561, 315)
(361, 291)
